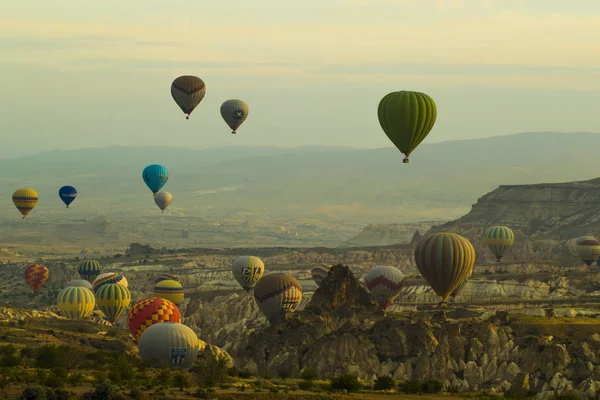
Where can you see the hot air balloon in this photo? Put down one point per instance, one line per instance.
(25, 200)
(80, 283)
(247, 270)
(67, 194)
(407, 118)
(155, 176)
(588, 248)
(499, 239)
(169, 290)
(234, 112)
(89, 270)
(36, 276)
(76, 302)
(163, 199)
(109, 277)
(319, 272)
(445, 260)
(384, 283)
(113, 299)
(151, 311)
(277, 293)
(188, 92)
(169, 345)
(166, 277)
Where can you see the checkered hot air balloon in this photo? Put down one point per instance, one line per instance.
(151, 311)
(36, 276)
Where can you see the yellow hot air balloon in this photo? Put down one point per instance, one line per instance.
(170, 290)
(112, 300)
(499, 239)
(188, 91)
(588, 248)
(76, 302)
(277, 294)
(445, 260)
(25, 200)
(247, 270)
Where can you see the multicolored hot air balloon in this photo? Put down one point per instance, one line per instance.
(36, 276)
(80, 283)
(109, 277)
(319, 272)
(234, 112)
(407, 118)
(151, 311)
(76, 302)
(89, 270)
(169, 290)
(169, 345)
(588, 249)
(188, 91)
(166, 277)
(277, 293)
(247, 270)
(384, 284)
(113, 299)
(499, 239)
(163, 200)
(155, 176)
(445, 260)
(25, 200)
(67, 194)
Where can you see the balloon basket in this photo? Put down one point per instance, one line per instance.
(405, 161)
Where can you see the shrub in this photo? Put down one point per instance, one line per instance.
(181, 380)
(309, 374)
(410, 387)
(384, 383)
(347, 382)
(306, 385)
(432, 386)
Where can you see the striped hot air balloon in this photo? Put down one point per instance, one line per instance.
(460, 287)
(319, 272)
(277, 293)
(76, 302)
(445, 260)
(36, 276)
(169, 345)
(384, 283)
(169, 290)
(166, 277)
(80, 283)
(499, 239)
(113, 299)
(25, 200)
(188, 91)
(109, 277)
(247, 270)
(151, 311)
(588, 249)
(89, 270)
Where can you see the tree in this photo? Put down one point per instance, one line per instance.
(181, 380)
(347, 382)
(309, 374)
(384, 383)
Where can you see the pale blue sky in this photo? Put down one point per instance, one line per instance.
(86, 74)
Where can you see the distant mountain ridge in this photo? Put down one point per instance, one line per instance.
(311, 182)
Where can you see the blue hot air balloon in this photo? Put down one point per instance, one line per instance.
(67, 194)
(155, 177)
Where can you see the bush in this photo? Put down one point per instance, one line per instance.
(181, 380)
(164, 377)
(347, 382)
(37, 393)
(432, 386)
(103, 391)
(306, 385)
(211, 372)
(62, 394)
(309, 374)
(384, 383)
(410, 387)
(137, 394)
(202, 394)
(50, 356)
(76, 379)
(244, 374)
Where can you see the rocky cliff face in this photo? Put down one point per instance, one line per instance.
(388, 234)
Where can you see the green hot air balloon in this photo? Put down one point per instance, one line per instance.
(407, 118)
(234, 112)
(499, 239)
(169, 344)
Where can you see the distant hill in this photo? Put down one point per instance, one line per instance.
(325, 183)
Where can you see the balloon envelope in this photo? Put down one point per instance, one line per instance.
(89, 270)
(76, 302)
(319, 272)
(155, 176)
(188, 91)
(25, 200)
(36, 276)
(169, 345)
(277, 293)
(67, 194)
(234, 112)
(163, 200)
(113, 299)
(109, 277)
(445, 260)
(151, 311)
(247, 270)
(588, 249)
(80, 283)
(166, 277)
(499, 239)
(170, 290)
(406, 118)
(384, 283)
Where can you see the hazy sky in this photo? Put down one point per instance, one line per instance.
(79, 73)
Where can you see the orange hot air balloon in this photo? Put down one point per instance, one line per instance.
(36, 276)
(150, 311)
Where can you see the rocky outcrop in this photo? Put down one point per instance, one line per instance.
(388, 234)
